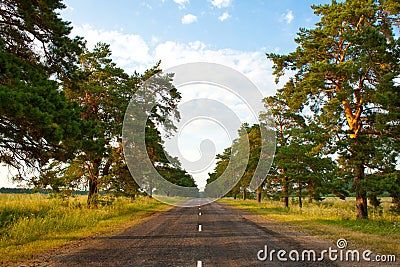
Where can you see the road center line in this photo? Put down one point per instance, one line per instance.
(199, 227)
(199, 264)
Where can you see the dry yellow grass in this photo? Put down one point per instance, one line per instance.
(32, 224)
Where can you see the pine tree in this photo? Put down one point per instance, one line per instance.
(37, 123)
(344, 71)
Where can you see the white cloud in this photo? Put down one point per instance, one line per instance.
(129, 51)
(221, 3)
(154, 40)
(181, 3)
(147, 5)
(189, 18)
(288, 17)
(224, 16)
(253, 64)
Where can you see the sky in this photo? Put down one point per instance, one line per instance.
(234, 33)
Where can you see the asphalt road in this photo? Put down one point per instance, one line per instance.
(210, 235)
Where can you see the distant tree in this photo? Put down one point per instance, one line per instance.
(249, 137)
(285, 122)
(176, 176)
(37, 123)
(221, 166)
(167, 166)
(344, 70)
(255, 143)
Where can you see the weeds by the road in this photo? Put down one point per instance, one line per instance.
(30, 224)
(333, 219)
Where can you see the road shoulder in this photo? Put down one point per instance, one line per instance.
(295, 233)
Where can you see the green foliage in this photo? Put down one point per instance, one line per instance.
(344, 71)
(167, 166)
(62, 106)
(104, 92)
(301, 166)
(37, 123)
(244, 150)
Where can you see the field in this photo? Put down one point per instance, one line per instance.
(332, 219)
(34, 223)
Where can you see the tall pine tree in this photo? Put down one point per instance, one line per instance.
(344, 70)
(36, 55)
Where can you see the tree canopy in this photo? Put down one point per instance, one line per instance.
(36, 55)
(344, 71)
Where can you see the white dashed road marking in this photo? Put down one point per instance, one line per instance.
(199, 263)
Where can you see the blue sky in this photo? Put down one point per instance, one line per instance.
(234, 33)
(241, 25)
(230, 32)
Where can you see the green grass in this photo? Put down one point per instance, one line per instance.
(32, 224)
(332, 219)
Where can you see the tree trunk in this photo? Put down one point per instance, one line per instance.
(396, 202)
(93, 184)
(361, 193)
(244, 194)
(93, 192)
(150, 190)
(259, 194)
(234, 196)
(285, 192)
(300, 196)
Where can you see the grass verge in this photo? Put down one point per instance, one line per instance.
(332, 219)
(33, 224)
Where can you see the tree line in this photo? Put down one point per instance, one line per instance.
(62, 106)
(337, 117)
